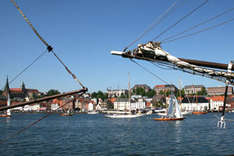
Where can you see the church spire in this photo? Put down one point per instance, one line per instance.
(23, 86)
(7, 89)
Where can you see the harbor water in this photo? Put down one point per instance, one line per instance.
(86, 134)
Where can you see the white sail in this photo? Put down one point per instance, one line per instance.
(170, 111)
(8, 104)
(174, 108)
(178, 113)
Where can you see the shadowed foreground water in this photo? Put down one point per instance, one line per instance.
(84, 134)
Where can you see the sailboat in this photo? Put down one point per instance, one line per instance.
(125, 114)
(173, 112)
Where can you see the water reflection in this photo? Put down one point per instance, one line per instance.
(96, 135)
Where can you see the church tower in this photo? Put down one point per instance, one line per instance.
(6, 90)
(24, 90)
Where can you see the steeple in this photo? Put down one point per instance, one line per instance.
(6, 91)
(23, 86)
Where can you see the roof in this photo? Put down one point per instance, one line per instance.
(217, 98)
(122, 100)
(159, 86)
(194, 86)
(141, 86)
(113, 100)
(162, 86)
(199, 99)
(16, 90)
(33, 90)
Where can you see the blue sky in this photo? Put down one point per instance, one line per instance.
(83, 32)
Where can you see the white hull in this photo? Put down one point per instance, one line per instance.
(186, 113)
(123, 115)
(183, 113)
(94, 112)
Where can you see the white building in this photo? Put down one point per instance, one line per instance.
(195, 104)
(116, 92)
(124, 104)
(90, 107)
(216, 103)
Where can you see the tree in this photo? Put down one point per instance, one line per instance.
(100, 95)
(123, 95)
(180, 93)
(202, 92)
(94, 95)
(150, 93)
(161, 92)
(52, 92)
(139, 91)
(168, 93)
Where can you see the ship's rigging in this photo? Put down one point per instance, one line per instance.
(153, 52)
(74, 94)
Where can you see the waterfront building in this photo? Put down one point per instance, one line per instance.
(3, 101)
(148, 102)
(193, 89)
(163, 89)
(216, 103)
(143, 86)
(21, 94)
(124, 104)
(116, 92)
(91, 106)
(199, 103)
(214, 91)
(230, 100)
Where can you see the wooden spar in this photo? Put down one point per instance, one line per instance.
(191, 61)
(207, 64)
(83, 90)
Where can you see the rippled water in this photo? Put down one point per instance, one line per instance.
(84, 134)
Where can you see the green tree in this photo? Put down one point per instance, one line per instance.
(123, 96)
(161, 92)
(140, 91)
(94, 95)
(202, 92)
(100, 95)
(52, 92)
(168, 93)
(180, 93)
(150, 93)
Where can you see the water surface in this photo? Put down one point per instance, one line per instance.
(84, 134)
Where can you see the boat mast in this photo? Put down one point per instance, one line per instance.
(129, 92)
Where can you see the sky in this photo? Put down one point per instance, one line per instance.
(83, 32)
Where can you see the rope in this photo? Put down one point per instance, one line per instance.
(197, 25)
(73, 75)
(27, 67)
(154, 24)
(49, 48)
(32, 124)
(187, 15)
(197, 32)
(30, 24)
(149, 71)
